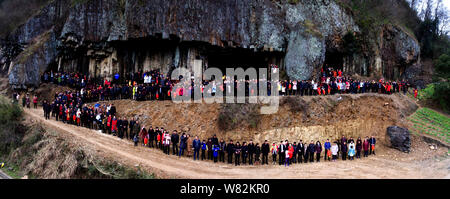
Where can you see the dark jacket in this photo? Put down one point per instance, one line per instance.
(311, 148)
(222, 146)
(196, 144)
(175, 138)
(215, 141)
(251, 148)
(244, 150)
(257, 151)
(209, 144)
(230, 148)
(358, 145)
(344, 148)
(300, 148)
(265, 148)
(318, 148)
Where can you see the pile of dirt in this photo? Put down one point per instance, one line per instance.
(47, 91)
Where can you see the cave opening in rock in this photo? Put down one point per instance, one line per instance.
(334, 59)
(227, 57)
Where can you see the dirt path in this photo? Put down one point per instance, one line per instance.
(380, 166)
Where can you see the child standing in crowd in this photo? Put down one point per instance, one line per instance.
(334, 151)
(216, 149)
(274, 153)
(204, 148)
(286, 160)
(135, 140)
(351, 150)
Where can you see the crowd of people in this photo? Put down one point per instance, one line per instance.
(68, 108)
(153, 85)
(71, 107)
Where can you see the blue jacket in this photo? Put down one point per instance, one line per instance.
(327, 145)
(196, 144)
(204, 146)
(216, 149)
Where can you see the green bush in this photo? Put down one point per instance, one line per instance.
(11, 131)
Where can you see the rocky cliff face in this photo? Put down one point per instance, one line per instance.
(103, 37)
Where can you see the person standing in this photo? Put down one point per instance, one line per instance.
(125, 128)
(334, 151)
(237, 154)
(24, 101)
(318, 150)
(230, 151)
(216, 149)
(311, 150)
(327, 146)
(135, 140)
(196, 145)
(167, 142)
(287, 157)
(281, 152)
(366, 146)
(136, 129)
(182, 144)
(204, 148)
(265, 149)
(35, 101)
(209, 149)
(251, 151)
(300, 151)
(358, 148)
(257, 154)
(244, 152)
(28, 100)
(188, 146)
(274, 153)
(45, 107)
(372, 142)
(175, 140)
(222, 148)
(344, 150)
(351, 150)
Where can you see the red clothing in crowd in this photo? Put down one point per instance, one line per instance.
(114, 125)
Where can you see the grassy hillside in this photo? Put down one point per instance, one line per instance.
(427, 121)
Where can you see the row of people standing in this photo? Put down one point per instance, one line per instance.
(253, 153)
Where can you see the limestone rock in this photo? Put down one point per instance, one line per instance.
(399, 138)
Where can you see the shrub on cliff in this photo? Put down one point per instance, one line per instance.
(11, 131)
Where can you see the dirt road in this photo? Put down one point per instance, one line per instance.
(383, 165)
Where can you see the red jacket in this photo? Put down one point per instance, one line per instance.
(366, 145)
(114, 125)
